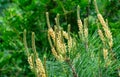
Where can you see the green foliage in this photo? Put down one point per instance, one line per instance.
(13, 65)
(17, 15)
(91, 63)
(87, 63)
(23, 15)
(55, 71)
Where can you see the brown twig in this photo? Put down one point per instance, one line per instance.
(72, 68)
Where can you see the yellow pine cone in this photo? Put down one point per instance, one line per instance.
(30, 61)
(105, 53)
(106, 29)
(40, 68)
(51, 33)
(101, 36)
(80, 26)
(57, 56)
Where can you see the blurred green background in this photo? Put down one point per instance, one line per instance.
(17, 15)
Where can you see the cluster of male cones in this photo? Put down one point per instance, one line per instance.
(61, 48)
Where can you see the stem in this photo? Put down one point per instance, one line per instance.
(99, 70)
(96, 7)
(33, 45)
(78, 12)
(45, 66)
(47, 18)
(35, 56)
(25, 42)
(86, 33)
(63, 8)
(49, 40)
(73, 69)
